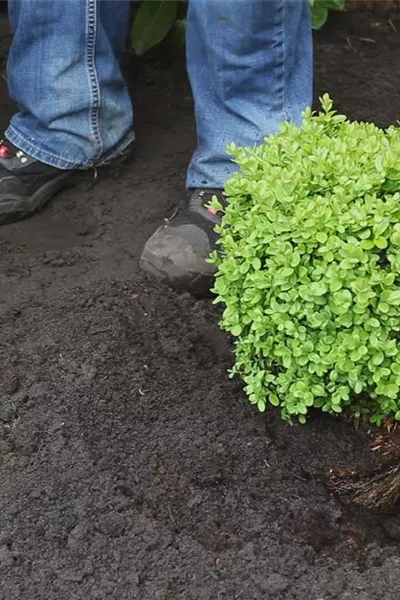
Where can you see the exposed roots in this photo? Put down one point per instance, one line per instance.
(379, 491)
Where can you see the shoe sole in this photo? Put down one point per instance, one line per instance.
(16, 207)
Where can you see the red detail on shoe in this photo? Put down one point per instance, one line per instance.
(4, 151)
(212, 211)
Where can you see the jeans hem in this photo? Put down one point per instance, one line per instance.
(59, 162)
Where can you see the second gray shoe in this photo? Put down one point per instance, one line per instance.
(177, 252)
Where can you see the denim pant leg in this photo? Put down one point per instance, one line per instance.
(250, 67)
(64, 73)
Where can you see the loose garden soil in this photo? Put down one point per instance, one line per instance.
(130, 465)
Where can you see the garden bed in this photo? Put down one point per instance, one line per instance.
(130, 465)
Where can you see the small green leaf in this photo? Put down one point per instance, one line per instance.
(373, 323)
(394, 174)
(335, 285)
(256, 264)
(274, 400)
(321, 237)
(378, 358)
(383, 307)
(395, 238)
(367, 244)
(381, 242)
(318, 288)
(261, 405)
(393, 297)
(318, 390)
(236, 330)
(358, 388)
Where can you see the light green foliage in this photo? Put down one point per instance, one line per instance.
(310, 268)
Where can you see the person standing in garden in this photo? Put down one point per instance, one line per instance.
(250, 67)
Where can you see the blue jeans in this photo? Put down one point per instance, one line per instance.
(249, 64)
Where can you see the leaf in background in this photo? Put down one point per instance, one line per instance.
(335, 4)
(175, 42)
(182, 9)
(153, 21)
(319, 15)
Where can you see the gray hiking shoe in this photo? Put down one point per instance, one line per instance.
(27, 184)
(177, 252)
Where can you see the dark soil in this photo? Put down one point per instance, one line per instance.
(130, 465)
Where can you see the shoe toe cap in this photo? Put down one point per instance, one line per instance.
(178, 255)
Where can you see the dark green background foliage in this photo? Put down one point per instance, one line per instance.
(310, 274)
(321, 8)
(156, 20)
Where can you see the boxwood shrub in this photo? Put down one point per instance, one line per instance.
(309, 267)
